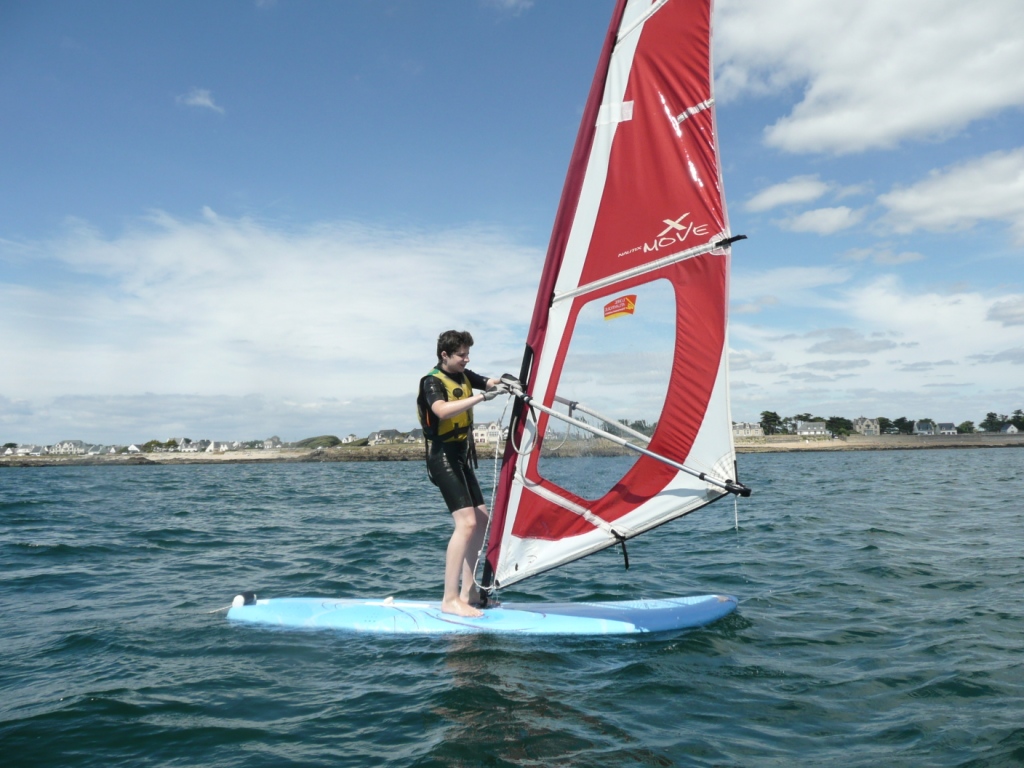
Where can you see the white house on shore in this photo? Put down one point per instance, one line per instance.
(487, 433)
(866, 426)
(68, 447)
(946, 428)
(811, 429)
(747, 429)
(385, 437)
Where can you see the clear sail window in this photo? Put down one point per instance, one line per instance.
(616, 373)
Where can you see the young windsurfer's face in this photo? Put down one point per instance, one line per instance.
(457, 361)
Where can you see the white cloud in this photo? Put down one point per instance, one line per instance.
(946, 326)
(883, 256)
(837, 365)
(792, 285)
(231, 307)
(873, 73)
(745, 359)
(799, 189)
(909, 345)
(990, 188)
(514, 6)
(924, 365)
(1014, 356)
(816, 378)
(199, 97)
(824, 221)
(841, 341)
(889, 258)
(853, 190)
(755, 306)
(1008, 312)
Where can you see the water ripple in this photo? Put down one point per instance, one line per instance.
(880, 622)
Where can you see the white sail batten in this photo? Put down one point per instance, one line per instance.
(706, 104)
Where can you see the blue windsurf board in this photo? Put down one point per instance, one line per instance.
(390, 616)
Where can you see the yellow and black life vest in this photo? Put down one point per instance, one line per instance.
(446, 430)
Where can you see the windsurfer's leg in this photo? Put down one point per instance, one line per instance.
(470, 593)
(455, 560)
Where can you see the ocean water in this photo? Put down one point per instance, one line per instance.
(881, 623)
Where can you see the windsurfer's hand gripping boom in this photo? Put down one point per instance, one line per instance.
(494, 390)
(506, 385)
(513, 385)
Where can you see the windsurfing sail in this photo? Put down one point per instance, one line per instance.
(642, 214)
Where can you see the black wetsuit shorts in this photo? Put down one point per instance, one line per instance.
(450, 469)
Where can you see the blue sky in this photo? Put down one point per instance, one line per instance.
(240, 219)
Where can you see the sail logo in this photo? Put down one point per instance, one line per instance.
(676, 231)
(620, 307)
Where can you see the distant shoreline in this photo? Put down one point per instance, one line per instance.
(414, 451)
(787, 443)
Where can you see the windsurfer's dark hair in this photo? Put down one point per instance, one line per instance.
(451, 341)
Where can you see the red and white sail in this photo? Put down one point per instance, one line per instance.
(642, 204)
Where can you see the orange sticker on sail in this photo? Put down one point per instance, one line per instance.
(624, 305)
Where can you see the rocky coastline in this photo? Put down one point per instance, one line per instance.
(414, 452)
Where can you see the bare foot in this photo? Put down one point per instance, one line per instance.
(459, 608)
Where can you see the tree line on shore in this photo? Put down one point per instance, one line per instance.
(773, 424)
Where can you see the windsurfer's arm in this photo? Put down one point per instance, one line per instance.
(445, 410)
(491, 387)
(436, 398)
(479, 382)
